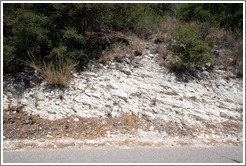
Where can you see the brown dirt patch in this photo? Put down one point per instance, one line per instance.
(18, 124)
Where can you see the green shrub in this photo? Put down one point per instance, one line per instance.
(9, 57)
(24, 31)
(226, 15)
(192, 52)
(50, 29)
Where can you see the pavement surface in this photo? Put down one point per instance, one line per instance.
(128, 155)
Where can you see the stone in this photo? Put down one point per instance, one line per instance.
(136, 93)
(96, 95)
(112, 85)
(194, 98)
(76, 119)
(112, 66)
(151, 55)
(78, 99)
(51, 112)
(88, 92)
(124, 69)
(127, 72)
(57, 102)
(81, 86)
(91, 75)
(121, 94)
(75, 75)
(224, 115)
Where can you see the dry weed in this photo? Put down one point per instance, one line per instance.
(160, 59)
(171, 61)
(107, 56)
(57, 73)
(119, 53)
(132, 56)
(238, 50)
(240, 68)
(217, 36)
(163, 50)
(138, 47)
(159, 34)
(228, 75)
(129, 121)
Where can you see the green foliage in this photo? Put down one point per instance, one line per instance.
(226, 15)
(48, 30)
(192, 52)
(9, 54)
(72, 36)
(164, 9)
(44, 30)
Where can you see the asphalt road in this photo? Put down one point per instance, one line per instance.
(134, 155)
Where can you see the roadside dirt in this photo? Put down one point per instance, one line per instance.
(22, 131)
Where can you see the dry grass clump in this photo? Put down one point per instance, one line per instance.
(107, 56)
(170, 61)
(57, 73)
(138, 47)
(162, 50)
(131, 56)
(228, 75)
(215, 36)
(160, 59)
(129, 122)
(231, 41)
(240, 68)
(116, 53)
(161, 36)
(119, 53)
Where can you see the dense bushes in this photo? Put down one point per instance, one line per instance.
(191, 52)
(50, 31)
(226, 15)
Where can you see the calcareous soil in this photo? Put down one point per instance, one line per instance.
(133, 103)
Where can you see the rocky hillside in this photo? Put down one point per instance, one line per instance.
(209, 109)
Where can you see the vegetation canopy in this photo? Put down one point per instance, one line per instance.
(57, 33)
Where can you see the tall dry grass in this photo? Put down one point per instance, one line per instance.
(138, 47)
(107, 56)
(56, 73)
(119, 52)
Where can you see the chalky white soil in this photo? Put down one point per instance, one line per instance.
(146, 89)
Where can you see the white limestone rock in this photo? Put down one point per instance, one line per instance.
(120, 94)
